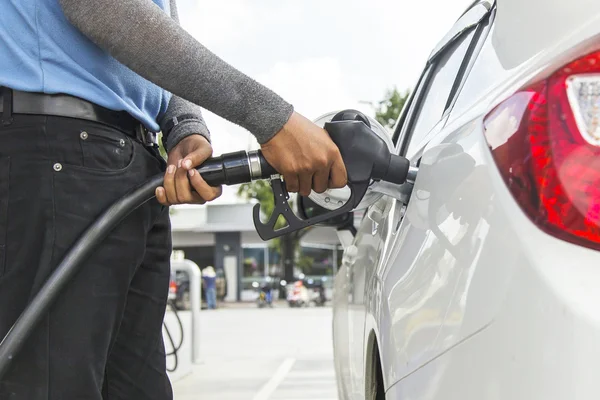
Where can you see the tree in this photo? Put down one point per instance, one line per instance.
(388, 110)
(287, 245)
(161, 147)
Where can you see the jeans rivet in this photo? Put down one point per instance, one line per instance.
(83, 135)
(57, 167)
(122, 142)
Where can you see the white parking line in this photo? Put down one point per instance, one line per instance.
(267, 390)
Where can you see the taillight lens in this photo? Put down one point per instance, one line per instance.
(172, 287)
(545, 140)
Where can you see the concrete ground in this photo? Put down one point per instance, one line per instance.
(262, 354)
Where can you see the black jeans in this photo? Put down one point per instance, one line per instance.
(103, 337)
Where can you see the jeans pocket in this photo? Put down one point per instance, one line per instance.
(106, 150)
(4, 196)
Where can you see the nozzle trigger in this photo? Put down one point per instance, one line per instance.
(282, 207)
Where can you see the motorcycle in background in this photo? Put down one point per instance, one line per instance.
(298, 296)
(265, 295)
(319, 297)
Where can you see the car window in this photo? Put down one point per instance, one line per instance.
(434, 96)
(486, 70)
(406, 111)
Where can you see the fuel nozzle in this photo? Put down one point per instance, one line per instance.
(367, 149)
(366, 155)
(368, 158)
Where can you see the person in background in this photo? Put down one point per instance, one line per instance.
(268, 290)
(210, 285)
(321, 290)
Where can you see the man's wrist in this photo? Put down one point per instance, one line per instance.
(183, 129)
(277, 121)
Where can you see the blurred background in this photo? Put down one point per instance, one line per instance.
(321, 56)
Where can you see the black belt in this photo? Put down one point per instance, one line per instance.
(62, 105)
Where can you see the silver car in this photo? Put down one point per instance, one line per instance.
(482, 281)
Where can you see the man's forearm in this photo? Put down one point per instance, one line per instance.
(140, 35)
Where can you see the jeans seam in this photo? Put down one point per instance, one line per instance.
(4, 215)
(52, 230)
(108, 396)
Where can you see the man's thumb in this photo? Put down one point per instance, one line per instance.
(196, 157)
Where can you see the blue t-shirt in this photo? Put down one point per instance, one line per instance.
(40, 51)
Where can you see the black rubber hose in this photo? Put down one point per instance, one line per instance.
(175, 347)
(173, 353)
(227, 169)
(178, 318)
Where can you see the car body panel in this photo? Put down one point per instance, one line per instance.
(341, 344)
(358, 269)
(465, 297)
(542, 342)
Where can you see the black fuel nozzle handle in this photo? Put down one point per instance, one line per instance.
(366, 157)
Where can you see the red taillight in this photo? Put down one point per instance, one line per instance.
(545, 140)
(172, 287)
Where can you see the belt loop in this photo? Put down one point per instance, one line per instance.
(7, 103)
(146, 137)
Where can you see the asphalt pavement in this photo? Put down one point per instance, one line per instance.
(262, 354)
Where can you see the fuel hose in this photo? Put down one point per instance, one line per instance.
(227, 169)
(175, 347)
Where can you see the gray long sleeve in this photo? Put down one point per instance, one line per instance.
(178, 108)
(143, 37)
(193, 124)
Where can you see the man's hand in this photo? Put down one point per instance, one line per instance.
(182, 183)
(306, 157)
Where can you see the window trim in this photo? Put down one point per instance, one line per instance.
(404, 114)
(431, 65)
(462, 71)
(470, 19)
(412, 109)
(484, 29)
(478, 12)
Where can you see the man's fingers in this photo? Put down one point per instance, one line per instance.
(320, 180)
(338, 177)
(177, 185)
(292, 184)
(204, 190)
(161, 196)
(198, 156)
(306, 181)
(196, 199)
(169, 184)
(182, 185)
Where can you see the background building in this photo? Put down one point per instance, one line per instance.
(223, 235)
